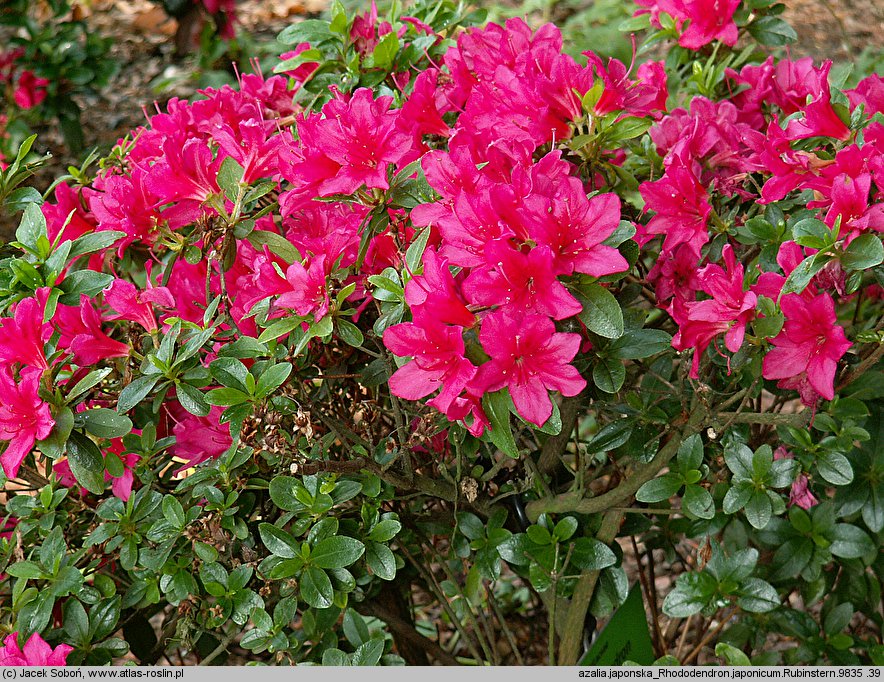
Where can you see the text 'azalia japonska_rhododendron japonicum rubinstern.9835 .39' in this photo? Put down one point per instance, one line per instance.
(426, 267)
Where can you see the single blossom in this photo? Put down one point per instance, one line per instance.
(522, 282)
(36, 652)
(24, 417)
(438, 361)
(800, 494)
(30, 91)
(136, 305)
(22, 336)
(727, 312)
(198, 439)
(530, 358)
(808, 348)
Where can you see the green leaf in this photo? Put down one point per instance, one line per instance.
(136, 391)
(272, 378)
(94, 377)
(608, 374)
(316, 588)
(86, 462)
(229, 176)
(698, 501)
(850, 542)
(736, 498)
(173, 512)
(415, 252)
(660, 488)
(601, 312)
(628, 128)
(94, 241)
(226, 397)
(83, 282)
(338, 551)
(731, 654)
(32, 226)
(864, 252)
(838, 619)
(758, 509)
(690, 453)
(379, 558)
(496, 406)
(738, 458)
(283, 492)
(279, 542)
(25, 569)
(229, 372)
(277, 244)
(589, 554)
(565, 528)
(368, 653)
(53, 445)
(350, 333)
(636, 344)
(106, 423)
(835, 468)
(385, 530)
(692, 592)
(313, 31)
(192, 399)
(611, 436)
(800, 277)
(279, 328)
(772, 31)
(811, 233)
(385, 51)
(757, 596)
(76, 622)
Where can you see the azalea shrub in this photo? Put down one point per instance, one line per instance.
(425, 347)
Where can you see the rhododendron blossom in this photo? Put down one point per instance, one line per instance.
(529, 357)
(807, 350)
(36, 652)
(24, 417)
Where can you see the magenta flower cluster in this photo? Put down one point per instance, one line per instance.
(513, 226)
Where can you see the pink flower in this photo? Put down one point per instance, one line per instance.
(36, 652)
(638, 97)
(530, 358)
(709, 19)
(435, 295)
(523, 282)
(23, 335)
(351, 145)
(24, 417)
(30, 90)
(800, 494)
(198, 439)
(727, 312)
(308, 291)
(135, 305)
(68, 216)
(681, 203)
(808, 348)
(438, 361)
(81, 333)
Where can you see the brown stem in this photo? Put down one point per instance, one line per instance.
(554, 446)
(405, 634)
(572, 635)
(571, 502)
(708, 638)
